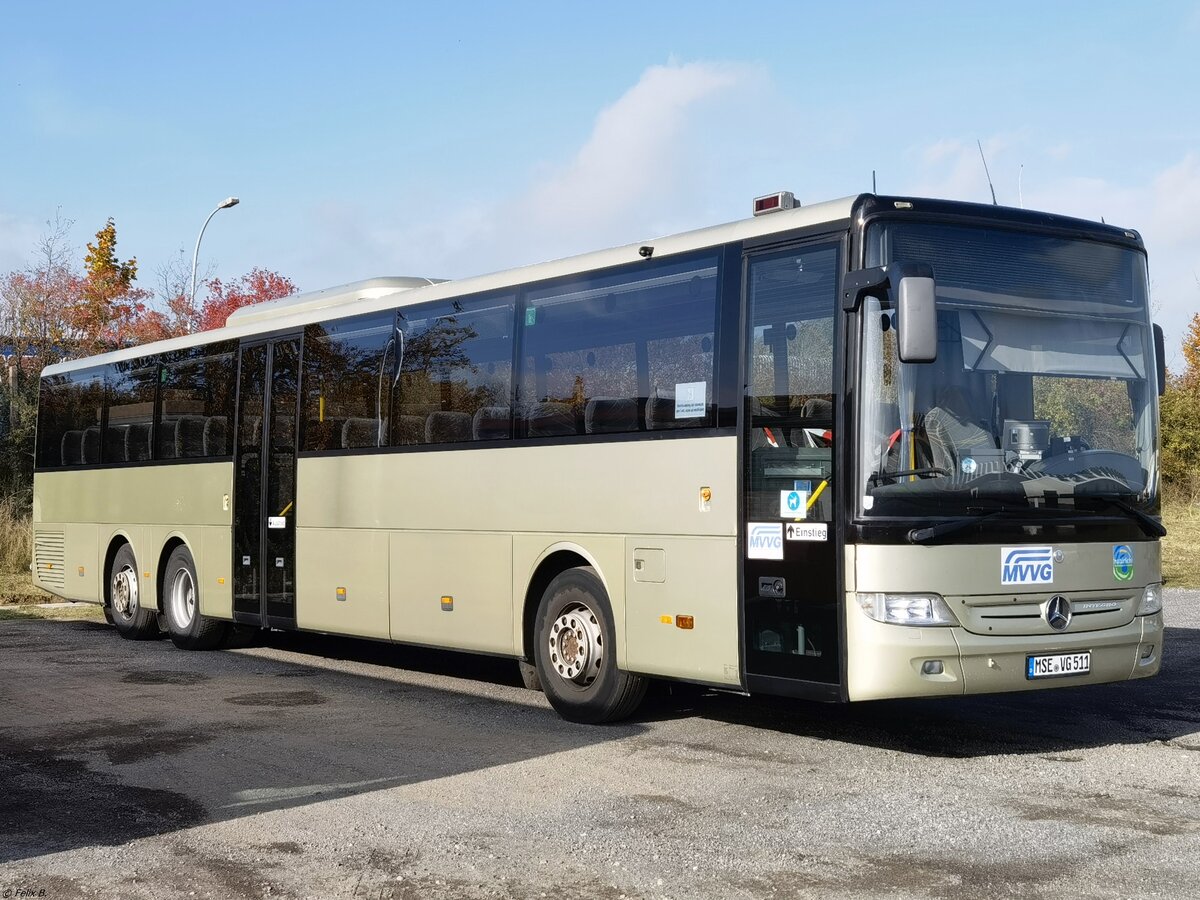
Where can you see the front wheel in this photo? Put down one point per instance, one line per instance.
(133, 621)
(181, 601)
(575, 651)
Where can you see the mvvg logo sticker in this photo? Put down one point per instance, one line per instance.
(1026, 565)
(764, 540)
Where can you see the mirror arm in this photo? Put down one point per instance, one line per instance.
(863, 282)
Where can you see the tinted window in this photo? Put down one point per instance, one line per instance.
(347, 381)
(71, 408)
(455, 372)
(622, 352)
(196, 404)
(128, 431)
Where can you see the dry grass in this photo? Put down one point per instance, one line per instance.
(91, 611)
(19, 588)
(1181, 546)
(16, 537)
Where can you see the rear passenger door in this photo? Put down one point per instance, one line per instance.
(264, 512)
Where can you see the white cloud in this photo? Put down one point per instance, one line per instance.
(18, 242)
(635, 175)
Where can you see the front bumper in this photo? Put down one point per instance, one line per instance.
(885, 661)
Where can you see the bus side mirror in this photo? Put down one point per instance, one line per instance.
(1160, 359)
(912, 290)
(916, 319)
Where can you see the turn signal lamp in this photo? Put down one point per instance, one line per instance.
(685, 622)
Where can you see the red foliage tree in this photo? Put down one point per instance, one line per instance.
(258, 286)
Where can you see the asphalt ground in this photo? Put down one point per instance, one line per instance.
(321, 767)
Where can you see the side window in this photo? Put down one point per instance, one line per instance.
(455, 372)
(70, 414)
(196, 404)
(624, 352)
(128, 430)
(347, 382)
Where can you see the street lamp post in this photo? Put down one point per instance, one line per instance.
(224, 204)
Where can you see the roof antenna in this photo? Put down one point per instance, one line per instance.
(1020, 195)
(986, 172)
(874, 189)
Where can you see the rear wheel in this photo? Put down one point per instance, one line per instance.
(132, 620)
(575, 651)
(181, 603)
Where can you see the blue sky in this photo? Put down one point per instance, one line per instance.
(450, 139)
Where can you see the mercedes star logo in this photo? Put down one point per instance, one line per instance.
(1058, 612)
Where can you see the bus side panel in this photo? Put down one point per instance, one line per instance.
(61, 554)
(342, 581)
(671, 577)
(82, 510)
(474, 571)
(214, 561)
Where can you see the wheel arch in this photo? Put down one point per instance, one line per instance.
(174, 540)
(553, 561)
(116, 541)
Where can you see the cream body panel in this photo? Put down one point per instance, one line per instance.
(328, 559)
(682, 576)
(79, 550)
(537, 499)
(473, 569)
(974, 569)
(634, 487)
(146, 505)
(173, 494)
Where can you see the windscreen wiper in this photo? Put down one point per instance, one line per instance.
(1149, 524)
(924, 535)
(1016, 516)
(879, 476)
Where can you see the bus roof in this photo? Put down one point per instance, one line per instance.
(375, 294)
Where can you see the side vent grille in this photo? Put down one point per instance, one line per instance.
(49, 558)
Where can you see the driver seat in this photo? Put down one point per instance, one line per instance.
(951, 433)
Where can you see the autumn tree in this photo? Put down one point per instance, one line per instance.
(1179, 414)
(109, 306)
(36, 329)
(258, 286)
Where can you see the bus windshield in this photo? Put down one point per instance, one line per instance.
(1043, 390)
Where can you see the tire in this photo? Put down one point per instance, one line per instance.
(574, 649)
(132, 620)
(181, 605)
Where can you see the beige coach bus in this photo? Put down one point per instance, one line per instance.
(877, 447)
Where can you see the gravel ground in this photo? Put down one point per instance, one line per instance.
(320, 767)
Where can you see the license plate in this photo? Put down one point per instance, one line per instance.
(1058, 665)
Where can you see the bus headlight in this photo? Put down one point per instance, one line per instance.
(1151, 601)
(906, 609)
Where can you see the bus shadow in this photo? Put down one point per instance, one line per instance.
(1163, 708)
(105, 741)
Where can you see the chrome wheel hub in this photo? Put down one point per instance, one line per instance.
(183, 598)
(125, 592)
(576, 645)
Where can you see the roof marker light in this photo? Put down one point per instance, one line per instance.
(770, 203)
